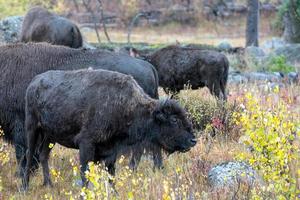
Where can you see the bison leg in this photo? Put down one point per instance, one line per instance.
(223, 89)
(136, 154)
(214, 88)
(157, 158)
(32, 136)
(19, 138)
(44, 157)
(86, 154)
(110, 164)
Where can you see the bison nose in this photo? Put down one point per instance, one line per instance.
(193, 141)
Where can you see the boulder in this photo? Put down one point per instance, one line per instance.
(254, 57)
(231, 174)
(224, 46)
(263, 77)
(254, 52)
(10, 29)
(236, 78)
(86, 30)
(273, 44)
(293, 77)
(86, 45)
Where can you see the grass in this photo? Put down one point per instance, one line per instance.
(184, 175)
(206, 32)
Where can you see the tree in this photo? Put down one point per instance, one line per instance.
(87, 6)
(252, 23)
(100, 9)
(292, 21)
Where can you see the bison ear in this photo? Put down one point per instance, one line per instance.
(159, 116)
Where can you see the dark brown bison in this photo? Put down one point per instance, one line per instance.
(178, 66)
(19, 63)
(40, 25)
(98, 112)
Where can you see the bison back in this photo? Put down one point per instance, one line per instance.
(40, 25)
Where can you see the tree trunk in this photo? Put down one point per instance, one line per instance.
(291, 19)
(252, 23)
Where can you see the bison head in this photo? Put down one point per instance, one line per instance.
(173, 130)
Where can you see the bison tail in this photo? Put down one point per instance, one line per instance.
(226, 69)
(77, 40)
(156, 82)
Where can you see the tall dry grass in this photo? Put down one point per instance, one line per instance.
(184, 175)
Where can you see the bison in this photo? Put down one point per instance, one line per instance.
(178, 66)
(40, 25)
(98, 112)
(19, 63)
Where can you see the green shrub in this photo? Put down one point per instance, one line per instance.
(279, 64)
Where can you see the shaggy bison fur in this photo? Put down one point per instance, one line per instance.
(40, 25)
(98, 112)
(178, 66)
(19, 63)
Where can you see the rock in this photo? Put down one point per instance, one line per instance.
(236, 78)
(224, 46)
(291, 53)
(273, 44)
(255, 52)
(86, 45)
(263, 77)
(87, 30)
(254, 57)
(10, 29)
(231, 174)
(293, 77)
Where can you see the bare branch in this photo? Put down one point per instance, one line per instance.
(133, 21)
(76, 5)
(103, 21)
(86, 5)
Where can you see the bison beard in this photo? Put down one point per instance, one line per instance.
(19, 63)
(98, 112)
(40, 25)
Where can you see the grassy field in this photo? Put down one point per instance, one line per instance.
(206, 32)
(267, 120)
(185, 175)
